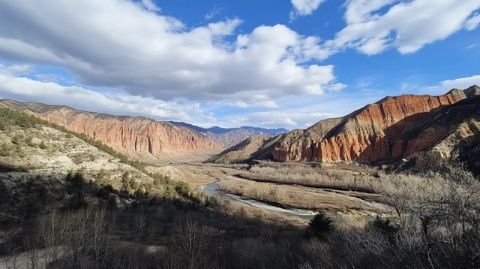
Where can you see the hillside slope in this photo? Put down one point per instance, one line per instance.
(30, 149)
(450, 133)
(391, 129)
(137, 137)
(240, 152)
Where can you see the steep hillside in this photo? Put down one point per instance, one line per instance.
(134, 136)
(228, 137)
(450, 133)
(31, 149)
(391, 129)
(241, 151)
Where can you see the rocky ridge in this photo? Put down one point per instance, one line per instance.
(137, 137)
(390, 129)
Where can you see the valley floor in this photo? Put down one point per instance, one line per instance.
(249, 185)
(67, 201)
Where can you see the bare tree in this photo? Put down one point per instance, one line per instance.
(191, 243)
(52, 234)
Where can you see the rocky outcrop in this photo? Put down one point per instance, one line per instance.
(390, 129)
(452, 133)
(370, 134)
(136, 137)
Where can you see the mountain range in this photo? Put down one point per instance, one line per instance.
(140, 137)
(423, 128)
(231, 136)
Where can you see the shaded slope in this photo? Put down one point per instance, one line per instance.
(452, 133)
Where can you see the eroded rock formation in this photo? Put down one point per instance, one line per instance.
(134, 136)
(390, 129)
(367, 135)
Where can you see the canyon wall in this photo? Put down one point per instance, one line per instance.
(381, 131)
(137, 137)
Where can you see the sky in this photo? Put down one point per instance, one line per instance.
(268, 63)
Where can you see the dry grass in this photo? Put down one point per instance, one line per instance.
(304, 197)
(305, 175)
(443, 194)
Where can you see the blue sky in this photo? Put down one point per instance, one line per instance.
(269, 63)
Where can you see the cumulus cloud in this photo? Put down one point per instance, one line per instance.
(262, 104)
(19, 87)
(275, 118)
(455, 83)
(304, 7)
(376, 25)
(460, 83)
(120, 44)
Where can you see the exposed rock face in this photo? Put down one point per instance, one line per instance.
(134, 136)
(370, 134)
(391, 129)
(453, 133)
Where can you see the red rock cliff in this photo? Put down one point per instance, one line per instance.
(371, 134)
(134, 136)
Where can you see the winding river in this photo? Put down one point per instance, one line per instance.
(212, 189)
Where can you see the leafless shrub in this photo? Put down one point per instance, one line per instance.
(73, 235)
(440, 209)
(302, 174)
(191, 243)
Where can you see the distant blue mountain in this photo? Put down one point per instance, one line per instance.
(231, 136)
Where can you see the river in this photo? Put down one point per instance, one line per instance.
(212, 189)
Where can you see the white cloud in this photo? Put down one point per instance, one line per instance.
(15, 69)
(275, 118)
(376, 25)
(473, 22)
(460, 83)
(215, 11)
(358, 11)
(119, 44)
(255, 104)
(150, 5)
(304, 7)
(444, 86)
(27, 89)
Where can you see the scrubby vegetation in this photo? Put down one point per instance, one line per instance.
(313, 198)
(10, 117)
(67, 220)
(257, 191)
(435, 227)
(320, 226)
(161, 187)
(310, 176)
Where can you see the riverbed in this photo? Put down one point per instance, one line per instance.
(213, 189)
